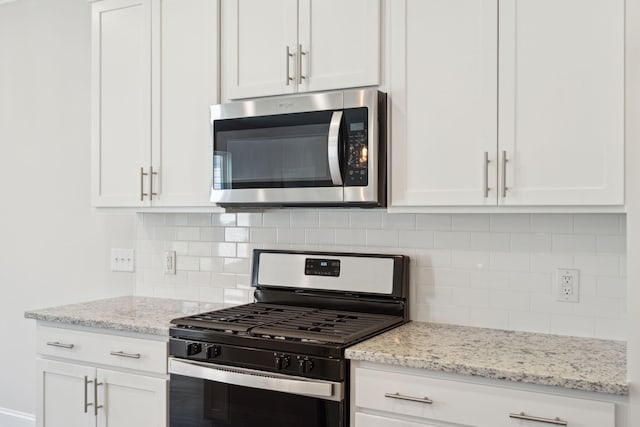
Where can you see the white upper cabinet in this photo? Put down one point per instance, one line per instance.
(121, 100)
(273, 47)
(561, 117)
(154, 77)
(511, 106)
(443, 101)
(188, 84)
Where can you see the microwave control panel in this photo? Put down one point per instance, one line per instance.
(357, 149)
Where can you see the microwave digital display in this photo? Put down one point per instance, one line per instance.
(356, 127)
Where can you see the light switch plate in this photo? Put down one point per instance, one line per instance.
(122, 260)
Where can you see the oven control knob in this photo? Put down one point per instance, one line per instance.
(213, 351)
(282, 361)
(305, 365)
(193, 348)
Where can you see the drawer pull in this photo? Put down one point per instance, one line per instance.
(522, 416)
(59, 344)
(123, 354)
(409, 398)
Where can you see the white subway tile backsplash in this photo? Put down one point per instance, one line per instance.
(573, 243)
(365, 218)
(491, 241)
(319, 237)
(433, 257)
(251, 219)
(223, 219)
(611, 244)
(513, 223)
(236, 234)
(551, 223)
(415, 238)
(597, 223)
(433, 222)
(291, 235)
(188, 233)
(471, 260)
(531, 242)
(601, 265)
(347, 236)
(199, 220)
(504, 261)
(334, 219)
(305, 219)
(199, 249)
(382, 238)
(399, 222)
(276, 218)
(452, 240)
(487, 270)
(572, 325)
(470, 222)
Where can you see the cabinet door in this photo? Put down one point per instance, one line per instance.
(65, 398)
(130, 400)
(443, 102)
(187, 57)
(121, 101)
(340, 44)
(256, 35)
(562, 101)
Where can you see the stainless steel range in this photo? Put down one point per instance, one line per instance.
(280, 361)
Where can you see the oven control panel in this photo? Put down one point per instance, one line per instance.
(322, 267)
(260, 359)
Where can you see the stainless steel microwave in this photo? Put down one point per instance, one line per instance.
(322, 149)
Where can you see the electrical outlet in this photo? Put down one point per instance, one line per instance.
(122, 260)
(169, 262)
(568, 285)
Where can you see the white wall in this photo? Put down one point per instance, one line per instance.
(494, 271)
(53, 247)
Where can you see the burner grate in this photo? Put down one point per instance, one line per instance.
(290, 322)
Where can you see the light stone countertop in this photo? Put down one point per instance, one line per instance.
(554, 360)
(143, 315)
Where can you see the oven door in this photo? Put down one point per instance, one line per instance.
(279, 159)
(204, 394)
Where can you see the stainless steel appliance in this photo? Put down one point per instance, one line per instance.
(322, 149)
(280, 361)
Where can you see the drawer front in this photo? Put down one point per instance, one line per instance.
(366, 420)
(113, 350)
(473, 404)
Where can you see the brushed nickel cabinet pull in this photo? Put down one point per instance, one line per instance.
(289, 55)
(409, 398)
(123, 354)
(95, 397)
(300, 53)
(504, 173)
(59, 344)
(87, 381)
(485, 171)
(151, 174)
(555, 421)
(142, 193)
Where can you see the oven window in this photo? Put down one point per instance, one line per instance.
(273, 152)
(200, 403)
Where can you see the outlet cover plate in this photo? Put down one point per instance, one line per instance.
(568, 285)
(122, 260)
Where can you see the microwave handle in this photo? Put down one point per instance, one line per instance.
(333, 147)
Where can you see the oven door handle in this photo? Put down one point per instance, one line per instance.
(326, 390)
(333, 148)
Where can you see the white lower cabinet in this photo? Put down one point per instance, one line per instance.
(90, 379)
(395, 397)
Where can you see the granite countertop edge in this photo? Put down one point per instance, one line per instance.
(463, 350)
(136, 314)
